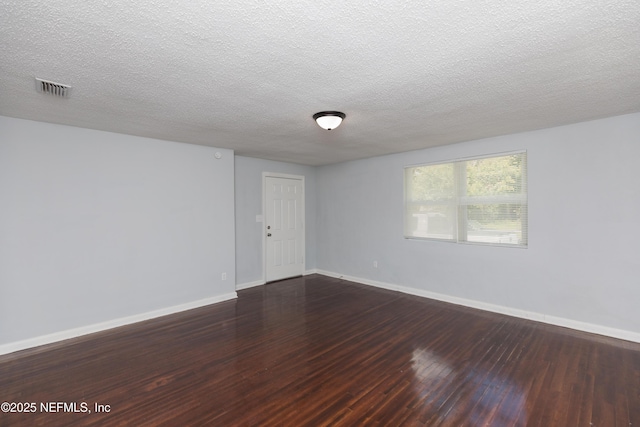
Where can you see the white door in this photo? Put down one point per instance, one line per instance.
(284, 227)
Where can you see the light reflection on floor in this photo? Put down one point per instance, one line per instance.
(479, 394)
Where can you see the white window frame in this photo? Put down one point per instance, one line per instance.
(460, 202)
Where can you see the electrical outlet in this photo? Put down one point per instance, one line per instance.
(375, 264)
(224, 276)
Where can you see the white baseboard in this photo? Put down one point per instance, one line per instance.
(312, 271)
(249, 285)
(97, 327)
(540, 317)
(523, 314)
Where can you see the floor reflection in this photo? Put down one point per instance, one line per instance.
(482, 397)
(428, 367)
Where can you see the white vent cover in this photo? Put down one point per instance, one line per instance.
(56, 89)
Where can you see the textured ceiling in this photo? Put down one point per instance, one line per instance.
(249, 74)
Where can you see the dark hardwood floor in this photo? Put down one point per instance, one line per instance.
(317, 351)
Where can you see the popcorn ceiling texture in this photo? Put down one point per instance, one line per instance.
(248, 75)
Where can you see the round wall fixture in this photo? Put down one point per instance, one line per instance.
(218, 155)
(329, 119)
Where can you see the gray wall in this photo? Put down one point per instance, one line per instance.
(583, 259)
(96, 226)
(248, 177)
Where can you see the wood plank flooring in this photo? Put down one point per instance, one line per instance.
(317, 351)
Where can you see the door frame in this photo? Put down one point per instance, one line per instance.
(266, 175)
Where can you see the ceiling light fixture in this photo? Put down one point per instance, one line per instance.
(329, 119)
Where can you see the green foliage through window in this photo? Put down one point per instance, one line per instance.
(480, 200)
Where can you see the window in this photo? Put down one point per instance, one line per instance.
(480, 200)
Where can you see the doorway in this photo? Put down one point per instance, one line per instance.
(283, 199)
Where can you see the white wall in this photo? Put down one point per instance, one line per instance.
(249, 252)
(583, 260)
(97, 226)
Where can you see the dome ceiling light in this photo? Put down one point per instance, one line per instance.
(329, 119)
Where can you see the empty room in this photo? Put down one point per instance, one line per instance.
(279, 213)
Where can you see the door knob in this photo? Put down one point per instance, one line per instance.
(268, 234)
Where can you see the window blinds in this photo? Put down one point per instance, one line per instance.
(480, 200)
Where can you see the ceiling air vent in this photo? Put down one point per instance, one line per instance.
(56, 89)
